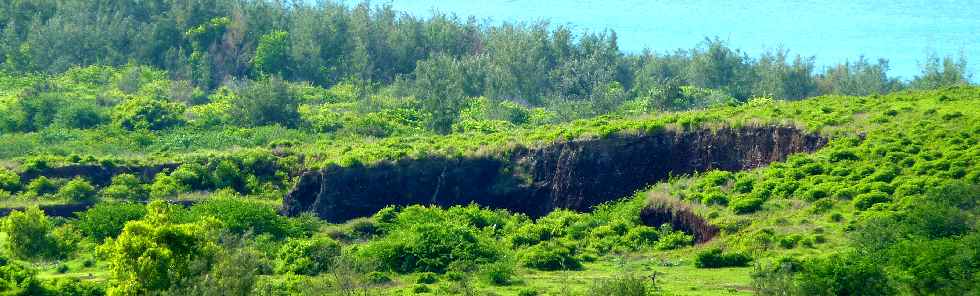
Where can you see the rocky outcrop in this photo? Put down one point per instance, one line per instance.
(70, 210)
(574, 174)
(99, 175)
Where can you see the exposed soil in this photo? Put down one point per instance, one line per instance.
(575, 174)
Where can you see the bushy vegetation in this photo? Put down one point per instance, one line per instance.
(185, 123)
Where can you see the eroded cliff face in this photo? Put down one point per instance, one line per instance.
(571, 174)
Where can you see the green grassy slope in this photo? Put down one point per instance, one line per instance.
(887, 155)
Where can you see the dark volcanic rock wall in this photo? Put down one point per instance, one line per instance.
(99, 175)
(573, 174)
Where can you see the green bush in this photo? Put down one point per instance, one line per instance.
(498, 273)
(164, 186)
(866, 200)
(377, 278)
(148, 114)
(81, 116)
(670, 239)
(107, 219)
(192, 176)
(715, 258)
(227, 174)
(307, 256)
(265, 102)
(746, 205)
(77, 190)
(431, 247)
(29, 235)
(550, 255)
(714, 197)
(427, 278)
(420, 289)
(240, 215)
(126, 187)
(9, 181)
(641, 236)
(41, 186)
(789, 241)
(626, 285)
(843, 275)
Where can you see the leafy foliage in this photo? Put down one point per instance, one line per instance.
(30, 235)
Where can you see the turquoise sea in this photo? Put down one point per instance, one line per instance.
(903, 31)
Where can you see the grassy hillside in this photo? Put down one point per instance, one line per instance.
(889, 206)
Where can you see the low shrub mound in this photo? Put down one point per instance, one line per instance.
(716, 258)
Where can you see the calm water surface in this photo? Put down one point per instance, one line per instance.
(903, 31)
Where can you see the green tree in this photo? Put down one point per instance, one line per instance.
(125, 187)
(155, 254)
(77, 190)
(714, 65)
(107, 219)
(439, 86)
(264, 102)
(29, 235)
(307, 256)
(858, 78)
(937, 72)
(272, 54)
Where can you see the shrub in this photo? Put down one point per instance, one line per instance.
(641, 236)
(746, 205)
(240, 215)
(528, 292)
(420, 288)
(498, 273)
(77, 190)
(164, 186)
(714, 197)
(670, 239)
(228, 175)
(426, 278)
(550, 255)
(105, 220)
(744, 184)
(126, 187)
(843, 275)
(715, 258)
(42, 186)
(626, 285)
(154, 254)
(80, 115)
(307, 256)
(822, 206)
(264, 102)
(9, 181)
(377, 278)
(29, 235)
(431, 246)
(192, 176)
(789, 241)
(147, 114)
(866, 200)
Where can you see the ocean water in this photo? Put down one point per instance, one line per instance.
(903, 31)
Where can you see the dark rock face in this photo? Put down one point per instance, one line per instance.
(679, 218)
(572, 174)
(70, 210)
(98, 175)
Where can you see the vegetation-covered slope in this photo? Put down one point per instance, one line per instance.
(896, 183)
(211, 147)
